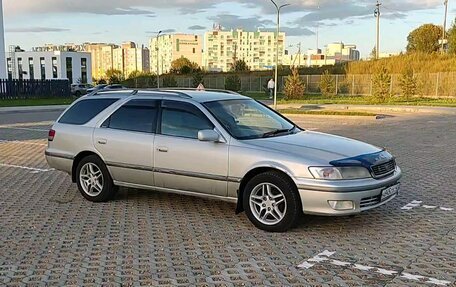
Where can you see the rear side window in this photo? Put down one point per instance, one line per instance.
(136, 116)
(85, 110)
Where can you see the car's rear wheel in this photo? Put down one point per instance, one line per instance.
(93, 179)
(271, 202)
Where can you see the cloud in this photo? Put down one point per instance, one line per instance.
(197, 27)
(35, 30)
(229, 21)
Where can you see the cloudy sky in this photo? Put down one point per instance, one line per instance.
(31, 23)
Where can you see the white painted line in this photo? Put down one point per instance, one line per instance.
(417, 204)
(25, 129)
(320, 257)
(22, 142)
(33, 169)
(324, 257)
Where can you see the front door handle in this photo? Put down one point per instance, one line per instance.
(162, 149)
(102, 141)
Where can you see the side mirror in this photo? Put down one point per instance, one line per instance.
(208, 136)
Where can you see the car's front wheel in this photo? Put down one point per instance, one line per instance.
(93, 179)
(271, 202)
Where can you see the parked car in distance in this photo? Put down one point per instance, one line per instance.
(114, 87)
(80, 89)
(217, 145)
(96, 88)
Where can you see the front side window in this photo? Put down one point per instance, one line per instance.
(85, 110)
(183, 120)
(136, 115)
(248, 119)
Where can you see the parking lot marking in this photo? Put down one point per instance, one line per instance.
(320, 257)
(22, 142)
(324, 257)
(32, 169)
(25, 129)
(418, 203)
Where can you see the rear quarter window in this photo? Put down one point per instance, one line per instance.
(85, 110)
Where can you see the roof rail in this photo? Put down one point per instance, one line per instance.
(196, 89)
(172, 92)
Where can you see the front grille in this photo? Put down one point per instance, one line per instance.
(384, 168)
(369, 201)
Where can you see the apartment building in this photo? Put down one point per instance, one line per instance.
(102, 57)
(167, 48)
(334, 53)
(129, 58)
(74, 66)
(257, 49)
(295, 60)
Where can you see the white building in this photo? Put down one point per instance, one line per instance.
(257, 49)
(334, 53)
(74, 66)
(3, 74)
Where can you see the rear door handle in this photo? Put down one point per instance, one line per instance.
(162, 149)
(102, 141)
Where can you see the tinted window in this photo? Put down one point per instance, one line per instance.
(183, 120)
(83, 111)
(136, 115)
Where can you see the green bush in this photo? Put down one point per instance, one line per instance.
(169, 81)
(408, 84)
(381, 83)
(233, 83)
(198, 78)
(294, 86)
(327, 84)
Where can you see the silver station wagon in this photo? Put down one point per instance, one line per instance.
(218, 145)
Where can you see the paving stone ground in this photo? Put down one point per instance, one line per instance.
(51, 236)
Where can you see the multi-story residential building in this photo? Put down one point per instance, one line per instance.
(257, 49)
(102, 57)
(74, 66)
(67, 47)
(335, 53)
(167, 48)
(128, 58)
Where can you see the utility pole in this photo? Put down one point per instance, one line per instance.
(299, 55)
(158, 66)
(377, 15)
(444, 26)
(278, 8)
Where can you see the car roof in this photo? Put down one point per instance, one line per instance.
(196, 95)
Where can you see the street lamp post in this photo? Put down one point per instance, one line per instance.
(158, 69)
(277, 50)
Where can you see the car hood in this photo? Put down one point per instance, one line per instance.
(316, 146)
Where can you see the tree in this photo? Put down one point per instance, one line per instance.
(134, 74)
(381, 82)
(198, 78)
(294, 86)
(114, 76)
(240, 66)
(425, 39)
(452, 39)
(327, 85)
(408, 84)
(233, 83)
(183, 66)
(373, 53)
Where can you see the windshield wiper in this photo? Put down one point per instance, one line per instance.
(278, 131)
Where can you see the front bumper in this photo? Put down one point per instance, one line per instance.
(365, 194)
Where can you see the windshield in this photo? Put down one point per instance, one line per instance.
(248, 119)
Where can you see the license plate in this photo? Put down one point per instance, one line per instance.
(390, 191)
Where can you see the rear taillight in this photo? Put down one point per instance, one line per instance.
(51, 135)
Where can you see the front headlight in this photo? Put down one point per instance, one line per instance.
(338, 173)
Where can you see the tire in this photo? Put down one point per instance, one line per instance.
(98, 185)
(282, 203)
